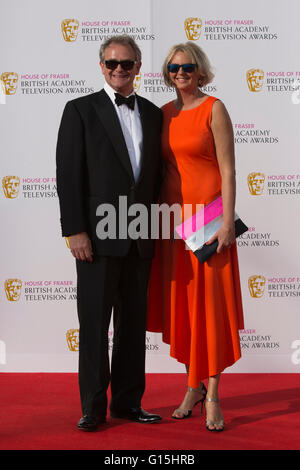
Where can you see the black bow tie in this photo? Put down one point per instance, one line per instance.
(122, 100)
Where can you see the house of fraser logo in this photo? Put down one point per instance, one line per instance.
(273, 185)
(274, 287)
(98, 30)
(228, 29)
(274, 81)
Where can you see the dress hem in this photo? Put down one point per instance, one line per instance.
(216, 372)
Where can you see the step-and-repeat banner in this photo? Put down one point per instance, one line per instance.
(49, 56)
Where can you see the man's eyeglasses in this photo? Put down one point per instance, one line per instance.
(174, 68)
(125, 64)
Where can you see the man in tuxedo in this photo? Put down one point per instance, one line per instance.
(109, 147)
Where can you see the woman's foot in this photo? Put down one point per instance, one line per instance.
(214, 415)
(192, 397)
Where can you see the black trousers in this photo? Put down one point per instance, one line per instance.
(105, 284)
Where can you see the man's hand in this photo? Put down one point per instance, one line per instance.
(81, 247)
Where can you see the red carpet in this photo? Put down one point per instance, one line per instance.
(262, 412)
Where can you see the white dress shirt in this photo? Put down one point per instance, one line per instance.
(130, 121)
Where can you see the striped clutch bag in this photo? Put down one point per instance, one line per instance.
(199, 228)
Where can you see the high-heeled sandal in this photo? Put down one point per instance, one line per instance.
(218, 425)
(188, 413)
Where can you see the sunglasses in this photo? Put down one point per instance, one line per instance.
(125, 64)
(174, 68)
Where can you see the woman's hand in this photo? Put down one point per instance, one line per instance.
(225, 236)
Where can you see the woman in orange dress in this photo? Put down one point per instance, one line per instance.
(197, 307)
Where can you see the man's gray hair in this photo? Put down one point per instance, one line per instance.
(123, 39)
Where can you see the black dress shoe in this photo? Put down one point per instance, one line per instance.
(136, 414)
(89, 423)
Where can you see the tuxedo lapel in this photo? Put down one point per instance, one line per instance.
(146, 141)
(110, 121)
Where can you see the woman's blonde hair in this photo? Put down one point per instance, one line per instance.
(197, 56)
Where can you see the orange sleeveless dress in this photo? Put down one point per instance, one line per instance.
(197, 307)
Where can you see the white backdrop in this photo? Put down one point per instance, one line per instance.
(43, 65)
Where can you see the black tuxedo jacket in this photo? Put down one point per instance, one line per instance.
(93, 168)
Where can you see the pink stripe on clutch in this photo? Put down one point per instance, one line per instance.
(200, 219)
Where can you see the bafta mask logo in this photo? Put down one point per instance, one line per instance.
(256, 182)
(73, 339)
(255, 79)
(67, 242)
(256, 285)
(137, 82)
(192, 28)
(2, 92)
(69, 29)
(11, 185)
(10, 81)
(13, 289)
